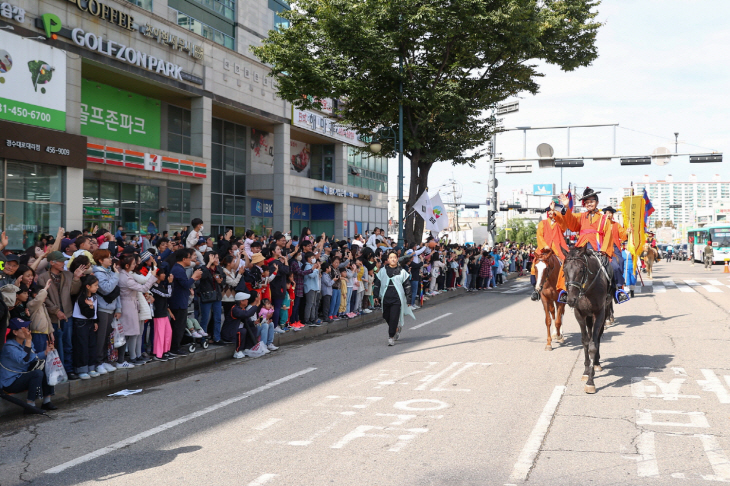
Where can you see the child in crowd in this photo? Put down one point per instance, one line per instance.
(369, 281)
(281, 326)
(266, 327)
(192, 323)
(84, 329)
(162, 291)
(327, 283)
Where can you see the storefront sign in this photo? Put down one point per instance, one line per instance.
(12, 12)
(99, 211)
(105, 12)
(299, 211)
(152, 162)
(32, 82)
(172, 40)
(107, 155)
(263, 208)
(31, 144)
(334, 191)
(315, 122)
(114, 114)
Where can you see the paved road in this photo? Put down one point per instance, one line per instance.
(469, 396)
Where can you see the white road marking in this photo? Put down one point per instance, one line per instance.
(714, 282)
(429, 322)
(685, 288)
(187, 418)
(718, 460)
(679, 371)
(430, 378)
(658, 289)
(712, 383)
(440, 386)
(668, 282)
(691, 282)
(266, 424)
(433, 405)
(711, 288)
(532, 446)
(261, 480)
(696, 419)
(646, 463)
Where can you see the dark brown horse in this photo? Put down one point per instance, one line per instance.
(547, 266)
(588, 283)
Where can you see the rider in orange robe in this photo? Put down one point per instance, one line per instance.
(594, 231)
(618, 236)
(549, 237)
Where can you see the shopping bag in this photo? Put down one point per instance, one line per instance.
(55, 373)
(117, 335)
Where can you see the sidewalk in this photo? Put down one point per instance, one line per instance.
(136, 377)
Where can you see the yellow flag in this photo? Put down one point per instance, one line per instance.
(633, 209)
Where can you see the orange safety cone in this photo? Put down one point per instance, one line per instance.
(727, 268)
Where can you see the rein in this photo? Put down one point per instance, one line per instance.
(581, 286)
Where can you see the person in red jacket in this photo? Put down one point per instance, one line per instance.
(594, 232)
(549, 238)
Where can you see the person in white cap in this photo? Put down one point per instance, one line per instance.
(238, 325)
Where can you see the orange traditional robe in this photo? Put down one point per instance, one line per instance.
(550, 235)
(618, 236)
(594, 228)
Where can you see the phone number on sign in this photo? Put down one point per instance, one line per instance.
(25, 113)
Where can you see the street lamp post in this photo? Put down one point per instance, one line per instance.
(387, 133)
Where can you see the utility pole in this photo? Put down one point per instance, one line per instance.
(492, 191)
(676, 142)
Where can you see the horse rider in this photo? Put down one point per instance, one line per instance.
(549, 238)
(709, 253)
(618, 236)
(594, 232)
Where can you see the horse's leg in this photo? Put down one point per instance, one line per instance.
(560, 310)
(596, 330)
(585, 339)
(548, 322)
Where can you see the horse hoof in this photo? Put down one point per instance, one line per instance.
(590, 389)
(584, 378)
(597, 368)
(561, 339)
(548, 348)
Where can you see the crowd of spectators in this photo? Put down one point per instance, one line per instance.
(107, 302)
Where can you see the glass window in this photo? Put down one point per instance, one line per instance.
(217, 136)
(34, 182)
(91, 193)
(178, 129)
(109, 193)
(25, 221)
(230, 157)
(129, 194)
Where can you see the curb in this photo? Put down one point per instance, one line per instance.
(126, 378)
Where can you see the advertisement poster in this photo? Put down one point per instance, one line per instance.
(301, 157)
(32, 82)
(262, 151)
(115, 114)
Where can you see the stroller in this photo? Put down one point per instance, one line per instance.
(192, 342)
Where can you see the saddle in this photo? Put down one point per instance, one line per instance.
(605, 262)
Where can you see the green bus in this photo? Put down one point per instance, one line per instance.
(718, 233)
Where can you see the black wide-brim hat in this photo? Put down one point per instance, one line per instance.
(609, 209)
(588, 193)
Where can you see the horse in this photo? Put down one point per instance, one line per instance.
(547, 266)
(649, 256)
(588, 283)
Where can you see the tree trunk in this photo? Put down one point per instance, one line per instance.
(418, 184)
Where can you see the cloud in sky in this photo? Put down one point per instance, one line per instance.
(663, 67)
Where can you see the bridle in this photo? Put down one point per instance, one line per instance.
(581, 286)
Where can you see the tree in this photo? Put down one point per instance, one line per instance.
(460, 58)
(519, 232)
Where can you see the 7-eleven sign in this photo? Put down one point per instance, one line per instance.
(152, 162)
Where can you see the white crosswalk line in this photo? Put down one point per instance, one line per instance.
(712, 288)
(659, 289)
(685, 288)
(693, 283)
(668, 283)
(714, 282)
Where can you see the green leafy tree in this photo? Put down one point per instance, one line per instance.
(459, 57)
(519, 232)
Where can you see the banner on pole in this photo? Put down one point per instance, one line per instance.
(633, 210)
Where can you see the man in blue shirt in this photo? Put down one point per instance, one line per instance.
(178, 301)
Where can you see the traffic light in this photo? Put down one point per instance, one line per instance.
(569, 163)
(636, 161)
(705, 158)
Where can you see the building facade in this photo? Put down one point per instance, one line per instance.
(682, 202)
(146, 114)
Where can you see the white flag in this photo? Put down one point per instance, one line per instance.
(438, 220)
(423, 206)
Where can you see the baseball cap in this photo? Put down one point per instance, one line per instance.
(66, 242)
(12, 257)
(241, 296)
(17, 323)
(201, 240)
(56, 256)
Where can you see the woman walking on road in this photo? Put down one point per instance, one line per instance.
(394, 292)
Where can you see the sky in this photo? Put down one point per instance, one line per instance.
(663, 67)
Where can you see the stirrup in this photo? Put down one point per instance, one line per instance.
(621, 297)
(535, 296)
(563, 297)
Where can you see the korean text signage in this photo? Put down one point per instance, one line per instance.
(32, 82)
(263, 208)
(12, 12)
(299, 211)
(39, 145)
(175, 42)
(114, 114)
(334, 191)
(314, 122)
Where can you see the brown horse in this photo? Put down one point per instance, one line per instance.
(547, 266)
(649, 256)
